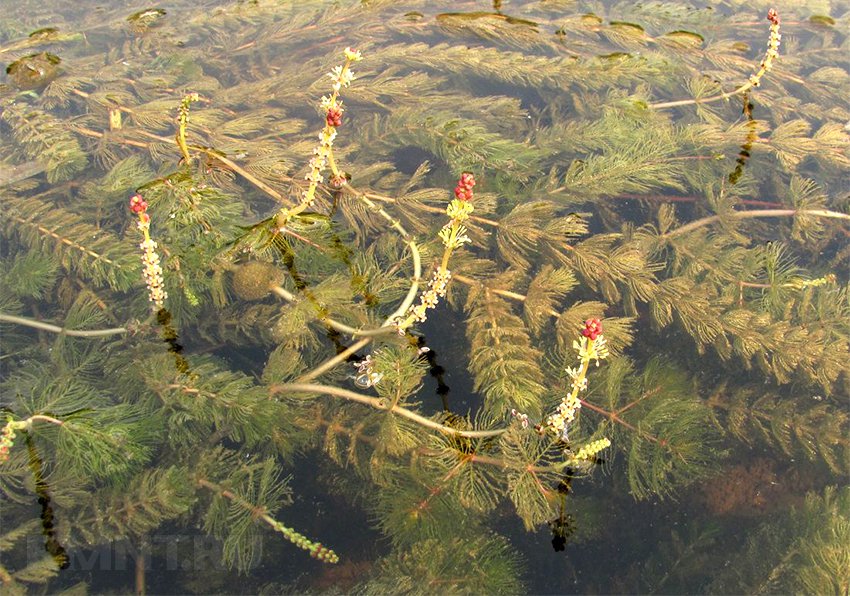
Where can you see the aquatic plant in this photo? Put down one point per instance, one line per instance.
(583, 200)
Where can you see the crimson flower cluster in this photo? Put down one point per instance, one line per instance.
(773, 16)
(592, 329)
(138, 205)
(463, 190)
(334, 116)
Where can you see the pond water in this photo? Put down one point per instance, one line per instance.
(425, 297)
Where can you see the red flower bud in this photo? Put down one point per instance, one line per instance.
(592, 329)
(138, 204)
(334, 116)
(773, 16)
(463, 194)
(463, 190)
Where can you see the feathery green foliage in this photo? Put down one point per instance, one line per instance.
(483, 564)
(44, 138)
(805, 551)
(503, 360)
(81, 248)
(660, 424)
(815, 429)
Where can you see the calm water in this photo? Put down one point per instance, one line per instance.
(175, 432)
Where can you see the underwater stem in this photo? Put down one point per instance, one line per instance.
(613, 417)
(140, 568)
(754, 213)
(414, 251)
(61, 330)
(336, 360)
(381, 404)
(341, 327)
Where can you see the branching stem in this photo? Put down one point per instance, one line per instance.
(613, 417)
(61, 330)
(381, 404)
(754, 213)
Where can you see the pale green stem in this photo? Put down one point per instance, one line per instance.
(414, 286)
(381, 404)
(341, 327)
(336, 360)
(61, 330)
(414, 251)
(26, 424)
(385, 326)
(754, 213)
(687, 102)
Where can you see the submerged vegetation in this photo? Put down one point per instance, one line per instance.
(639, 188)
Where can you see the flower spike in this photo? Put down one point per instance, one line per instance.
(453, 235)
(592, 346)
(152, 271)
